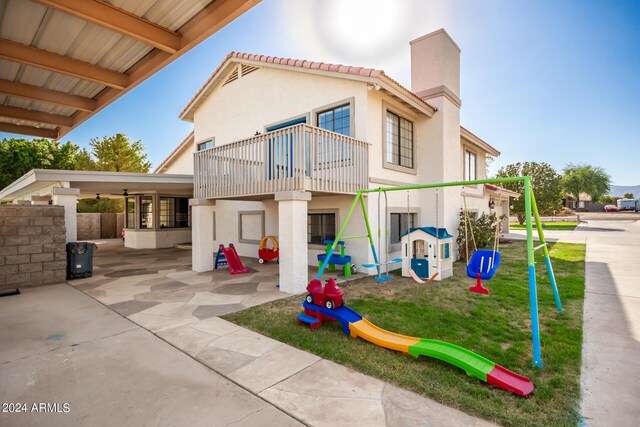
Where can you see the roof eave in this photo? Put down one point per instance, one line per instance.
(471, 137)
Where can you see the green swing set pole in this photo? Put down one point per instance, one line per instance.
(545, 252)
(366, 221)
(337, 238)
(533, 291)
(444, 184)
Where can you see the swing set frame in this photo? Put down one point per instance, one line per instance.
(531, 208)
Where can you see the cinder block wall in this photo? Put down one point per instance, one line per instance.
(32, 245)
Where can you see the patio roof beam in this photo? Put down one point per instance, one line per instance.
(28, 55)
(120, 21)
(28, 130)
(35, 116)
(207, 22)
(36, 93)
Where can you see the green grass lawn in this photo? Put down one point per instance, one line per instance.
(555, 225)
(496, 326)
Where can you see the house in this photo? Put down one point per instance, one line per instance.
(281, 146)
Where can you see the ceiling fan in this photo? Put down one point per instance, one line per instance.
(124, 193)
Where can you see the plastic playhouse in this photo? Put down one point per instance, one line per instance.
(267, 254)
(335, 259)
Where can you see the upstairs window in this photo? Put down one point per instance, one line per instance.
(205, 145)
(399, 140)
(336, 120)
(470, 166)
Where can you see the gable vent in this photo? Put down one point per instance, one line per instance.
(246, 69)
(232, 77)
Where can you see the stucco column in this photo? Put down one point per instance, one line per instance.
(292, 236)
(68, 197)
(202, 231)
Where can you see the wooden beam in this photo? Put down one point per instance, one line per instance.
(17, 52)
(208, 21)
(118, 20)
(21, 90)
(36, 116)
(29, 130)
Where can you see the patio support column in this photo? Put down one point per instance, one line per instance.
(202, 232)
(292, 236)
(68, 197)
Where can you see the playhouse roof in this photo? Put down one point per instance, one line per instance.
(440, 233)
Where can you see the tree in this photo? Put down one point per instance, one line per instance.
(118, 154)
(115, 154)
(587, 179)
(608, 200)
(18, 156)
(84, 162)
(545, 182)
(628, 196)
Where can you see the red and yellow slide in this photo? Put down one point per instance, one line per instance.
(473, 364)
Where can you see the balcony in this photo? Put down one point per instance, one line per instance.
(300, 157)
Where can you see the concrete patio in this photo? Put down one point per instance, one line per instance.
(156, 290)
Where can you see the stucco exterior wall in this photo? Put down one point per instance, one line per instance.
(182, 163)
(266, 96)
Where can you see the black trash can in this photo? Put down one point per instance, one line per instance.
(80, 259)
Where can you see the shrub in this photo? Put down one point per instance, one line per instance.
(482, 230)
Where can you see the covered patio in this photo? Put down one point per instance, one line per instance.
(157, 289)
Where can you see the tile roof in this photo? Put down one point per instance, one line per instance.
(312, 65)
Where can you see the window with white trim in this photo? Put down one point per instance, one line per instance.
(399, 141)
(205, 145)
(470, 166)
(336, 120)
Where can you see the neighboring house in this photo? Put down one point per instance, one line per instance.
(282, 146)
(571, 203)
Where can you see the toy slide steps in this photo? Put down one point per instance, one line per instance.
(233, 260)
(473, 364)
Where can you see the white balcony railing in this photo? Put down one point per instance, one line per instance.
(300, 157)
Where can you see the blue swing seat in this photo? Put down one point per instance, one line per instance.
(481, 262)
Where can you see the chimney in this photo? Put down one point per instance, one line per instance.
(435, 77)
(435, 67)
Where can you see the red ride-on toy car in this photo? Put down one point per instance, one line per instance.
(266, 254)
(330, 296)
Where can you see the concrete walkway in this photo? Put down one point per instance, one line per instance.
(94, 368)
(611, 345)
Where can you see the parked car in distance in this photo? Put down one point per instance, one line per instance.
(611, 208)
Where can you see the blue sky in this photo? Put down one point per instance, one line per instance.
(545, 81)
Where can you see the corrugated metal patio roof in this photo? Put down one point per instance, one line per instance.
(62, 61)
